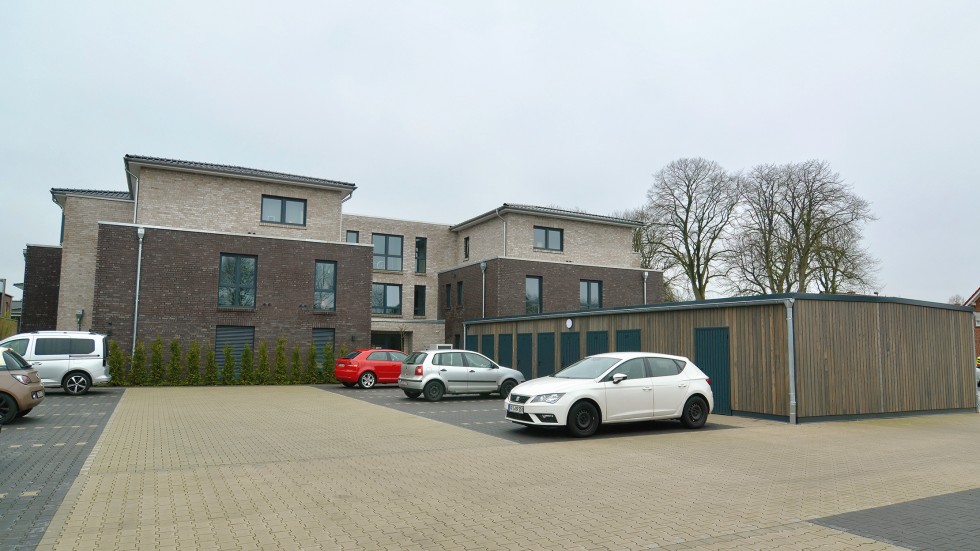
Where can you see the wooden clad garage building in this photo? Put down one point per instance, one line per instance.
(799, 356)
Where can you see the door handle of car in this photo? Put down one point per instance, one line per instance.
(682, 385)
(443, 370)
(648, 388)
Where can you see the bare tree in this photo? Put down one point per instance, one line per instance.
(957, 300)
(652, 255)
(691, 205)
(799, 230)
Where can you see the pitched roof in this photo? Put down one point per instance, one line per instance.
(548, 212)
(972, 301)
(58, 194)
(134, 162)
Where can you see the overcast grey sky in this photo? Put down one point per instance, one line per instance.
(439, 111)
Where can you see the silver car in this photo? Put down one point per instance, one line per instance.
(73, 360)
(433, 373)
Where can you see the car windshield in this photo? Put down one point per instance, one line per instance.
(589, 368)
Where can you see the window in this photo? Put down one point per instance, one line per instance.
(387, 252)
(282, 210)
(466, 248)
(353, 236)
(236, 281)
(532, 295)
(420, 246)
(449, 295)
(19, 346)
(476, 360)
(548, 238)
(590, 294)
(419, 300)
(459, 293)
(633, 369)
(321, 338)
(325, 286)
(386, 298)
(52, 347)
(664, 367)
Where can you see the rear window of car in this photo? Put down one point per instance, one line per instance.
(664, 367)
(13, 362)
(82, 346)
(397, 356)
(56, 346)
(416, 358)
(351, 355)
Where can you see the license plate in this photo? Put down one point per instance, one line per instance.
(514, 408)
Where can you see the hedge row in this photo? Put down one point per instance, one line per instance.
(190, 369)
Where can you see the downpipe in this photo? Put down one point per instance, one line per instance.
(140, 232)
(792, 361)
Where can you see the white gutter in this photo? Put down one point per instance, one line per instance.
(497, 212)
(792, 361)
(645, 276)
(139, 267)
(483, 270)
(136, 197)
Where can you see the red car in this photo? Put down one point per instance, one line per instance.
(369, 367)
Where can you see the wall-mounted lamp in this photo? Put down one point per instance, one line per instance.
(78, 317)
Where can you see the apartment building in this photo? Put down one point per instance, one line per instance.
(232, 256)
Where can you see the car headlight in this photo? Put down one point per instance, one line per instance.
(548, 398)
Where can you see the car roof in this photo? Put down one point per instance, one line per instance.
(631, 355)
(68, 333)
(378, 350)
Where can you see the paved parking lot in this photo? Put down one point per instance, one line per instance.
(324, 468)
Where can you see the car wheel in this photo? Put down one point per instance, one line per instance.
(583, 420)
(367, 380)
(23, 413)
(76, 383)
(506, 387)
(348, 385)
(8, 409)
(695, 412)
(433, 391)
(413, 393)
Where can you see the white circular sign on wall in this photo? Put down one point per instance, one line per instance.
(568, 323)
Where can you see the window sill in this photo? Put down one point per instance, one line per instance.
(381, 271)
(549, 251)
(324, 312)
(236, 308)
(282, 225)
(387, 316)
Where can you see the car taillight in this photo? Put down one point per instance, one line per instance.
(418, 370)
(23, 379)
(709, 380)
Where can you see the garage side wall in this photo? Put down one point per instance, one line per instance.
(857, 358)
(758, 349)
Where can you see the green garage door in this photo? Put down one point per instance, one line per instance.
(524, 344)
(570, 349)
(546, 354)
(506, 350)
(711, 355)
(486, 346)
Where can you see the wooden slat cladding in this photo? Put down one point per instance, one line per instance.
(876, 357)
(758, 345)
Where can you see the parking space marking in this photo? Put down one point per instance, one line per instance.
(30, 494)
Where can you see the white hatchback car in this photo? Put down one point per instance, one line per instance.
(73, 360)
(616, 387)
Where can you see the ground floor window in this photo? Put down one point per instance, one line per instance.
(386, 298)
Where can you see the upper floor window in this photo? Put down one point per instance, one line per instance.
(421, 244)
(325, 286)
(386, 298)
(449, 295)
(419, 300)
(459, 293)
(590, 294)
(551, 239)
(353, 236)
(387, 252)
(236, 280)
(466, 248)
(282, 210)
(532, 295)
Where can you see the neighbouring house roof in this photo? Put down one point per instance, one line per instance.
(133, 164)
(58, 194)
(972, 301)
(547, 212)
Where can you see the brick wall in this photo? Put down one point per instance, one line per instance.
(42, 276)
(82, 215)
(584, 242)
(216, 203)
(505, 286)
(179, 287)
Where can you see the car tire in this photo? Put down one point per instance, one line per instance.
(76, 383)
(412, 393)
(695, 413)
(506, 387)
(433, 391)
(583, 420)
(8, 409)
(367, 380)
(23, 413)
(348, 385)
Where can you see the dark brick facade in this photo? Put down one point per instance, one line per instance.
(42, 281)
(505, 285)
(179, 287)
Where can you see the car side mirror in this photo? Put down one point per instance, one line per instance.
(619, 377)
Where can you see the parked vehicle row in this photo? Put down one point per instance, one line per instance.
(72, 360)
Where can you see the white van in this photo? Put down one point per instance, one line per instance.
(73, 360)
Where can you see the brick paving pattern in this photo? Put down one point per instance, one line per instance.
(300, 468)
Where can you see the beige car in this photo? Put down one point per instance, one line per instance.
(20, 386)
